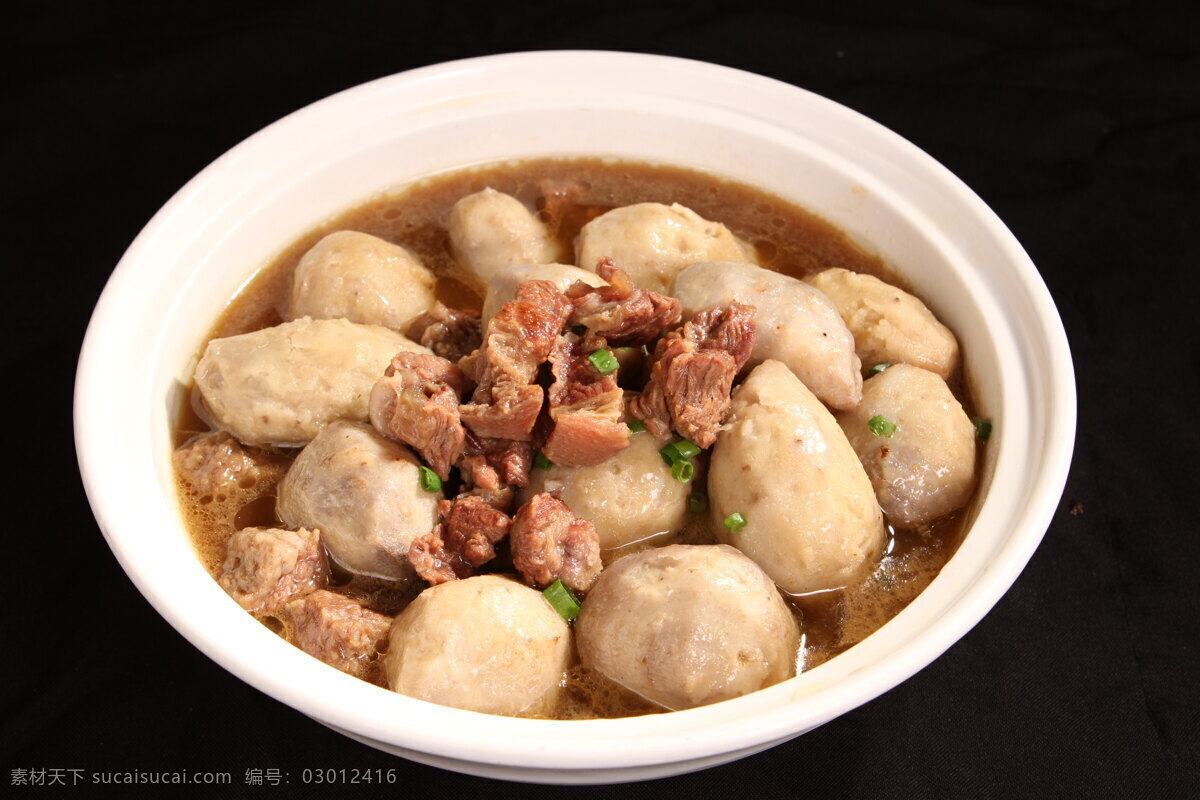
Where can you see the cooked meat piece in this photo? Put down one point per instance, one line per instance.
(696, 384)
(432, 559)
(549, 543)
(266, 567)
(585, 406)
(448, 332)
(481, 478)
(502, 288)
(506, 402)
(416, 402)
(693, 372)
(620, 312)
(559, 197)
(651, 405)
(797, 324)
(472, 527)
(462, 542)
(339, 631)
(730, 328)
(215, 461)
(508, 460)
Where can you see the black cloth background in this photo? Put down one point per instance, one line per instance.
(1079, 123)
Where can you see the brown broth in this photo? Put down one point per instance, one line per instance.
(786, 238)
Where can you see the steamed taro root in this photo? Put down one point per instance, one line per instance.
(490, 231)
(916, 443)
(890, 326)
(631, 497)
(653, 242)
(688, 625)
(282, 385)
(360, 278)
(486, 644)
(784, 466)
(364, 494)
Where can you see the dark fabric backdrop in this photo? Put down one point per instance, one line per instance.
(1079, 123)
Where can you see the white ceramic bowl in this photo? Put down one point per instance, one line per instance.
(244, 208)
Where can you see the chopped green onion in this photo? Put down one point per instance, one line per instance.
(579, 330)
(983, 427)
(683, 470)
(735, 522)
(429, 479)
(679, 451)
(541, 462)
(880, 426)
(878, 368)
(686, 449)
(698, 502)
(562, 600)
(636, 426)
(604, 361)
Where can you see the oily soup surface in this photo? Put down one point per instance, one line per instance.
(785, 238)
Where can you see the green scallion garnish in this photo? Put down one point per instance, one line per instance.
(562, 600)
(541, 462)
(429, 479)
(735, 522)
(686, 449)
(679, 451)
(636, 426)
(698, 502)
(683, 470)
(878, 368)
(604, 361)
(983, 427)
(880, 426)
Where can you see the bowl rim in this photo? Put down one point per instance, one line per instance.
(618, 743)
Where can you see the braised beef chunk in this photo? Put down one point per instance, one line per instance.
(620, 312)
(585, 406)
(651, 405)
(731, 329)
(506, 402)
(434, 561)
(693, 373)
(696, 385)
(214, 462)
(509, 460)
(416, 402)
(339, 631)
(463, 541)
(266, 567)
(448, 332)
(549, 543)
